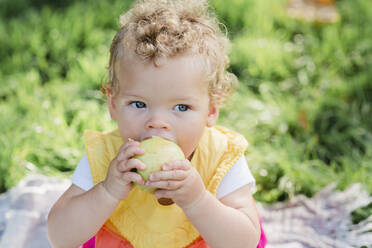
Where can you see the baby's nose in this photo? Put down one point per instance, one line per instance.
(158, 123)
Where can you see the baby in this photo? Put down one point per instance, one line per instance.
(167, 78)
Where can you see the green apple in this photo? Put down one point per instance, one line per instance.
(157, 152)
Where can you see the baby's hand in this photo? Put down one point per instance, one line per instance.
(121, 172)
(179, 181)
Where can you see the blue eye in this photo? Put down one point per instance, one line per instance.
(181, 107)
(138, 104)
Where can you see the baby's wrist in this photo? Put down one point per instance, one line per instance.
(196, 203)
(108, 195)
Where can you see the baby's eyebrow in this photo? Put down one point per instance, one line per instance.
(132, 95)
(185, 98)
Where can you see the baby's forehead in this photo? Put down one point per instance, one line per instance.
(195, 63)
(184, 71)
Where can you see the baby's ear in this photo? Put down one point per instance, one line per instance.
(214, 111)
(111, 102)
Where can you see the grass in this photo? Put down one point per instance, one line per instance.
(304, 102)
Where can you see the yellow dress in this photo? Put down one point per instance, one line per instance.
(139, 218)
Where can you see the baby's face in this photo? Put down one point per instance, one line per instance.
(170, 101)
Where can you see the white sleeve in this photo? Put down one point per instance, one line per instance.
(82, 176)
(238, 176)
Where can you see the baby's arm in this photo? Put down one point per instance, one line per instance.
(229, 222)
(79, 214)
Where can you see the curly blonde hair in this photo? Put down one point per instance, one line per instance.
(155, 29)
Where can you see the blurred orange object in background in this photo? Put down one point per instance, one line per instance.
(322, 11)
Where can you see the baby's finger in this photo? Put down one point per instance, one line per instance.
(168, 175)
(132, 151)
(133, 177)
(169, 185)
(123, 148)
(132, 163)
(177, 165)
